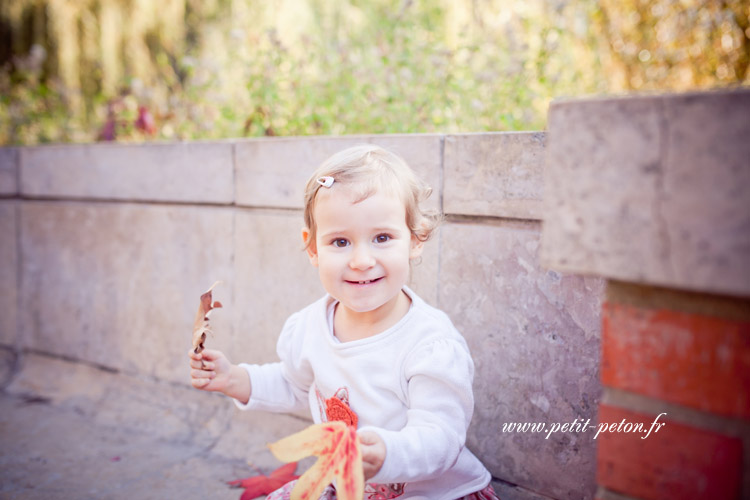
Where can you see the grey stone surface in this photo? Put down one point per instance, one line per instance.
(495, 174)
(601, 181)
(119, 285)
(184, 172)
(651, 190)
(273, 172)
(8, 171)
(706, 186)
(75, 431)
(273, 279)
(425, 271)
(8, 358)
(8, 272)
(507, 491)
(535, 337)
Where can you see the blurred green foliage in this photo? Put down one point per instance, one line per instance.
(134, 70)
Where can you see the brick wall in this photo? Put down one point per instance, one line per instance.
(690, 367)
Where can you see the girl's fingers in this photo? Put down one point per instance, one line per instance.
(210, 354)
(200, 382)
(202, 374)
(201, 365)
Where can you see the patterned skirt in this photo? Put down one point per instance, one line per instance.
(329, 493)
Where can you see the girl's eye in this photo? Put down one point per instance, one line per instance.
(382, 238)
(340, 243)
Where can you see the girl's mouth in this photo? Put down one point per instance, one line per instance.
(364, 282)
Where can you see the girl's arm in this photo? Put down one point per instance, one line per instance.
(439, 379)
(212, 371)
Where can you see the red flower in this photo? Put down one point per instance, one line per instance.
(338, 410)
(145, 121)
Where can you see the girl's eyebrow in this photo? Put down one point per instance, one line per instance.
(330, 234)
(386, 229)
(344, 232)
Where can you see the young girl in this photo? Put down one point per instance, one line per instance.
(371, 352)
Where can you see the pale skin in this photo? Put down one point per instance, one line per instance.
(354, 243)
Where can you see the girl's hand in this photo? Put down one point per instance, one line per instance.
(210, 370)
(373, 453)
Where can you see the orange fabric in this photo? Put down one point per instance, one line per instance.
(338, 410)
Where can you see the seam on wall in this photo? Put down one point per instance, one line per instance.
(494, 220)
(234, 173)
(165, 203)
(122, 201)
(663, 227)
(233, 247)
(18, 155)
(17, 206)
(441, 177)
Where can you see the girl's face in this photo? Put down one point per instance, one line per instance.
(362, 250)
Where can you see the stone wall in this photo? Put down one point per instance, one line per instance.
(651, 193)
(106, 248)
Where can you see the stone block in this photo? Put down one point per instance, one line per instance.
(8, 365)
(425, 279)
(273, 172)
(601, 178)
(495, 174)
(273, 278)
(706, 181)
(651, 190)
(8, 171)
(119, 285)
(535, 338)
(9, 261)
(181, 172)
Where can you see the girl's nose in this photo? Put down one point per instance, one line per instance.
(361, 258)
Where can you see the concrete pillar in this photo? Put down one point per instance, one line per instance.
(651, 193)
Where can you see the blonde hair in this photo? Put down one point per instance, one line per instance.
(365, 169)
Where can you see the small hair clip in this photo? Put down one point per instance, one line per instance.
(325, 181)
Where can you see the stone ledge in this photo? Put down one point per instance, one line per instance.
(273, 172)
(8, 171)
(651, 190)
(494, 174)
(9, 261)
(174, 172)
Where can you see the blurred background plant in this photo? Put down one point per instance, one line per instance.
(133, 70)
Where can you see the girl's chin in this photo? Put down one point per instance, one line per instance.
(369, 306)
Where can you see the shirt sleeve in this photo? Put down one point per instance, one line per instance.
(441, 403)
(281, 386)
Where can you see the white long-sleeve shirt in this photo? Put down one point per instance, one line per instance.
(411, 384)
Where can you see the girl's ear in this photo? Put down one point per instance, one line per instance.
(417, 246)
(312, 251)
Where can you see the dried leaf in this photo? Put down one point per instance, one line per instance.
(257, 486)
(337, 447)
(200, 325)
(285, 470)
